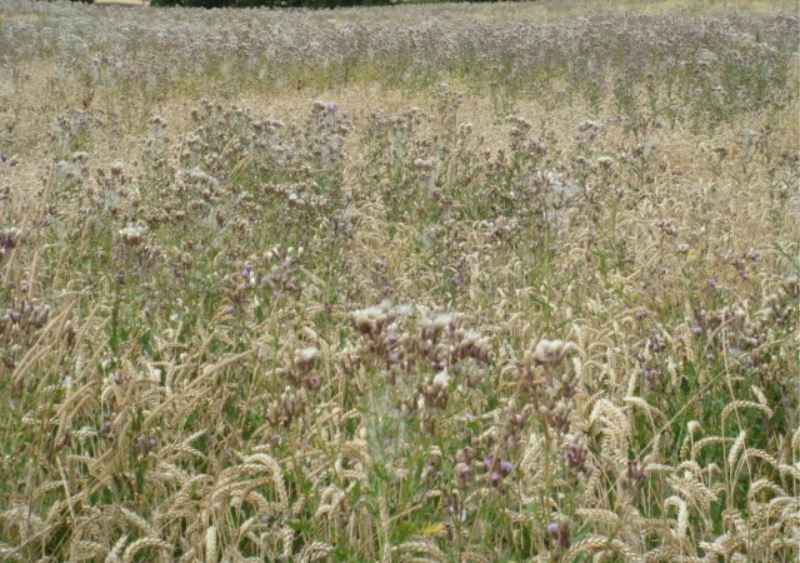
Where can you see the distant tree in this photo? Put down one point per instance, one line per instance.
(271, 3)
(287, 3)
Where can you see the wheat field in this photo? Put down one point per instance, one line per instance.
(451, 282)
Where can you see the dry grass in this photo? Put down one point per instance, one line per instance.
(483, 306)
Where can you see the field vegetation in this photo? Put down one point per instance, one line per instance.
(453, 282)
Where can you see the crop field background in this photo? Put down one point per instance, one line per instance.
(451, 282)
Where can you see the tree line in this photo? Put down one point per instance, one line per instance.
(286, 3)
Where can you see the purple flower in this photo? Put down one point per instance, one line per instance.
(657, 345)
(652, 374)
(575, 456)
(552, 528)
(505, 466)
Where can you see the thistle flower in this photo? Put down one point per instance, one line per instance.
(791, 285)
(132, 235)
(463, 472)
(425, 163)
(370, 320)
(9, 237)
(434, 325)
(552, 352)
(590, 125)
(560, 533)
(305, 358)
(80, 157)
(605, 161)
(441, 379)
